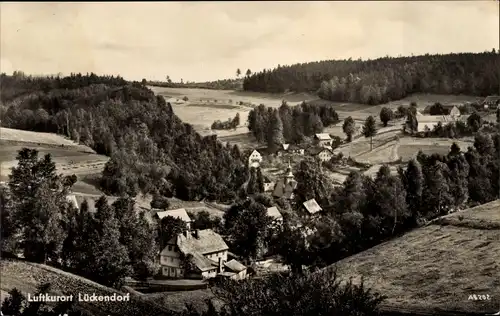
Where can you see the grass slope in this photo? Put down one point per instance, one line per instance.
(435, 268)
(26, 276)
(69, 157)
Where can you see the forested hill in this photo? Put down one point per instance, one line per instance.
(151, 149)
(380, 80)
(224, 84)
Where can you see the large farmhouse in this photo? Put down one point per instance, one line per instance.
(205, 248)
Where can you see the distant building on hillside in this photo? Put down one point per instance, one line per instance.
(492, 101)
(428, 122)
(323, 140)
(321, 153)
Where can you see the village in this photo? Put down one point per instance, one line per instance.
(208, 251)
(250, 158)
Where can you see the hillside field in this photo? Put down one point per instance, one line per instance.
(436, 267)
(69, 157)
(206, 106)
(26, 276)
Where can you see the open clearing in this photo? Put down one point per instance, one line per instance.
(438, 266)
(26, 276)
(69, 157)
(205, 106)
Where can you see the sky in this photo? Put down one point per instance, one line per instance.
(202, 41)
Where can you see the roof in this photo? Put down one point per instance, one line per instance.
(323, 136)
(434, 118)
(274, 212)
(312, 206)
(178, 213)
(491, 99)
(435, 267)
(207, 242)
(255, 151)
(313, 151)
(235, 266)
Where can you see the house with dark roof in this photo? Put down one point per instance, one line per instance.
(285, 186)
(205, 248)
(323, 140)
(311, 207)
(321, 153)
(492, 101)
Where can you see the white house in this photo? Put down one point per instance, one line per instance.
(321, 153)
(323, 140)
(178, 213)
(207, 250)
(254, 159)
(430, 121)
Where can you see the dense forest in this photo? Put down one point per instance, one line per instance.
(289, 124)
(151, 149)
(384, 79)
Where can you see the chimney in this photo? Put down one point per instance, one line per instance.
(221, 265)
(196, 233)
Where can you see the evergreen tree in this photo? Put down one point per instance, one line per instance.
(109, 260)
(275, 131)
(370, 129)
(386, 115)
(413, 180)
(260, 181)
(349, 127)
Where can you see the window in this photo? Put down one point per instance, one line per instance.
(169, 248)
